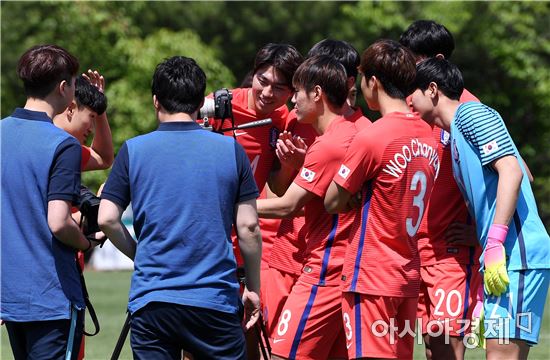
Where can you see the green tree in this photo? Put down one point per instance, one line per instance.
(104, 36)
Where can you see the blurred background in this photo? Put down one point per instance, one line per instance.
(503, 49)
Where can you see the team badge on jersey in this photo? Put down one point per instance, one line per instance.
(273, 136)
(344, 171)
(445, 137)
(455, 152)
(307, 175)
(490, 147)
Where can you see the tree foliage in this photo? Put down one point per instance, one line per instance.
(503, 49)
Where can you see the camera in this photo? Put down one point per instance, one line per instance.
(219, 107)
(89, 207)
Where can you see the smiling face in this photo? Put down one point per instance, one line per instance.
(305, 106)
(269, 91)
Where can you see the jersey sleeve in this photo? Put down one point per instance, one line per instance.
(86, 155)
(485, 129)
(361, 163)
(64, 181)
(117, 186)
(315, 175)
(247, 185)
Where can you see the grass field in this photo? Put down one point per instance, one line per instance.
(109, 294)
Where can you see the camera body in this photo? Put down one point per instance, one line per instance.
(89, 207)
(219, 107)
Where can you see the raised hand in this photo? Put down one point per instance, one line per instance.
(96, 79)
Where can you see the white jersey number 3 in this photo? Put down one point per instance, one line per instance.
(418, 201)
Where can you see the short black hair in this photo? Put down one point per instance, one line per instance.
(179, 85)
(283, 57)
(328, 73)
(427, 38)
(341, 50)
(392, 64)
(445, 74)
(42, 67)
(89, 96)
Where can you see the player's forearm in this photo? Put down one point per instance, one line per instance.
(276, 208)
(102, 143)
(250, 244)
(509, 183)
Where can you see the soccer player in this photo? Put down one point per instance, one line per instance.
(41, 296)
(493, 181)
(393, 164)
(184, 292)
(285, 261)
(271, 88)
(310, 325)
(447, 242)
(274, 66)
(86, 115)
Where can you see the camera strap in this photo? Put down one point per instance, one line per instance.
(89, 305)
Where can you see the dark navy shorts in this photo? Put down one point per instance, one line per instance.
(162, 330)
(55, 339)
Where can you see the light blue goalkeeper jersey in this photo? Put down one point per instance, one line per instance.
(478, 137)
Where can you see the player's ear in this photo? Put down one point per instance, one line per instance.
(432, 90)
(373, 83)
(351, 82)
(317, 93)
(71, 109)
(156, 103)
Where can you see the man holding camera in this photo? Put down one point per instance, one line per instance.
(184, 292)
(41, 295)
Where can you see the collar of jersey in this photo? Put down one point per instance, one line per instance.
(21, 113)
(179, 126)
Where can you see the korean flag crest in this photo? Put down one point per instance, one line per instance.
(307, 175)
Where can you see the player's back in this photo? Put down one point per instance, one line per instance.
(400, 165)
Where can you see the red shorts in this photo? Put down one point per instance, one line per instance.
(378, 326)
(276, 286)
(447, 298)
(310, 325)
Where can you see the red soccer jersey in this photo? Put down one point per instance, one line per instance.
(259, 142)
(394, 163)
(326, 235)
(446, 206)
(359, 119)
(269, 228)
(86, 155)
(288, 249)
